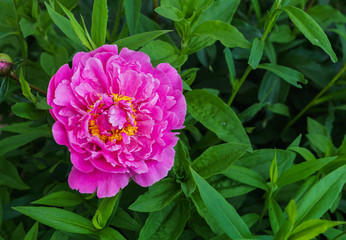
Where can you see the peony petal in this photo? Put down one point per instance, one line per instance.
(130, 55)
(94, 72)
(79, 161)
(83, 182)
(172, 74)
(157, 170)
(60, 134)
(107, 184)
(129, 82)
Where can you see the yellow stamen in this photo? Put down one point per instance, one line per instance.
(115, 135)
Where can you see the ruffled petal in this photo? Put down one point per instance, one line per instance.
(107, 184)
(157, 170)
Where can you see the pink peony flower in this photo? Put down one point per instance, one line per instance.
(115, 113)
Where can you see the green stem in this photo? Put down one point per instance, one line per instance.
(117, 20)
(267, 30)
(314, 101)
(21, 40)
(241, 81)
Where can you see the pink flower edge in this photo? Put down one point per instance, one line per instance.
(115, 113)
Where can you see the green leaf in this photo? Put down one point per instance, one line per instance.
(215, 115)
(27, 27)
(251, 111)
(32, 234)
(246, 176)
(9, 176)
(225, 215)
(316, 128)
(159, 195)
(132, 12)
(14, 142)
(3, 89)
(305, 153)
(276, 216)
(99, 22)
(109, 233)
(27, 110)
(230, 65)
(26, 88)
(139, 40)
(321, 144)
(260, 160)
(25, 128)
(47, 63)
(312, 228)
(273, 171)
(222, 10)
(161, 52)
(217, 159)
(105, 210)
(280, 108)
(123, 220)
(310, 29)
(227, 34)
(288, 74)
(321, 196)
(256, 53)
(291, 210)
(302, 171)
(65, 26)
(170, 12)
(205, 213)
(78, 30)
(59, 219)
(61, 199)
(168, 223)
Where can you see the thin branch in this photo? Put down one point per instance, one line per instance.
(15, 77)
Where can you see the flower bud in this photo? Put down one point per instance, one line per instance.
(6, 64)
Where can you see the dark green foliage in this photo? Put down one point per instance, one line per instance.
(263, 152)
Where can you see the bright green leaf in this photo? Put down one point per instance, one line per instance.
(61, 199)
(227, 34)
(321, 196)
(302, 171)
(139, 40)
(311, 30)
(215, 115)
(132, 11)
(159, 195)
(59, 219)
(32, 234)
(99, 22)
(312, 228)
(256, 53)
(217, 159)
(288, 74)
(246, 176)
(168, 223)
(225, 215)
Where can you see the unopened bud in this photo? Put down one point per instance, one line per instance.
(6, 64)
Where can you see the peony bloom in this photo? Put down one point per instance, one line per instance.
(115, 113)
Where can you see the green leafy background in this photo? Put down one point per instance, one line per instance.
(263, 152)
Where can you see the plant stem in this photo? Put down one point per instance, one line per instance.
(15, 77)
(314, 101)
(267, 30)
(155, 5)
(21, 40)
(117, 21)
(241, 81)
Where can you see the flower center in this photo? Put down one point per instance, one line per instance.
(112, 118)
